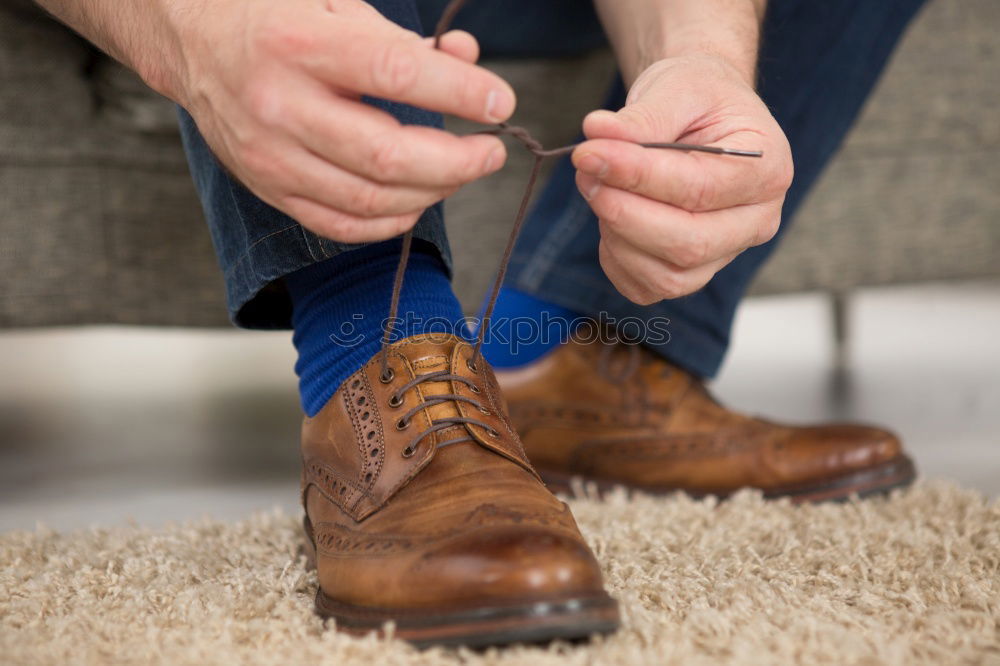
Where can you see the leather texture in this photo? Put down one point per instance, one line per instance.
(464, 525)
(620, 414)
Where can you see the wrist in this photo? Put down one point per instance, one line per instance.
(645, 32)
(739, 53)
(137, 33)
(162, 63)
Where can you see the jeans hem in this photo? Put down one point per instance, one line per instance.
(256, 295)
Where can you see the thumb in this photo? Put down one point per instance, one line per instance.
(637, 122)
(658, 108)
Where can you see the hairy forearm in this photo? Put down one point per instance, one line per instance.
(138, 33)
(645, 31)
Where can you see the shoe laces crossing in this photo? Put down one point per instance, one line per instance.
(428, 401)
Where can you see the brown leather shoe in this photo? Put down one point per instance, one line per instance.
(421, 508)
(620, 415)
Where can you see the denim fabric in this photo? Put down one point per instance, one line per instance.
(818, 63)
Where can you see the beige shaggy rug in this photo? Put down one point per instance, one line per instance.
(914, 579)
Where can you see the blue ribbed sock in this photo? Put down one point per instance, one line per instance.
(523, 328)
(340, 306)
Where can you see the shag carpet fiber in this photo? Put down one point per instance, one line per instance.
(912, 579)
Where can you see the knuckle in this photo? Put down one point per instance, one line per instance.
(786, 174)
(777, 182)
(640, 296)
(289, 204)
(643, 118)
(319, 220)
(636, 177)
(394, 69)
(318, 223)
(693, 252)
(670, 284)
(466, 93)
(700, 193)
(467, 168)
(265, 103)
(283, 39)
(611, 210)
(786, 164)
(404, 223)
(339, 227)
(386, 159)
(366, 200)
(767, 230)
(257, 161)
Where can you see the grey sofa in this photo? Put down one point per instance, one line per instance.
(100, 223)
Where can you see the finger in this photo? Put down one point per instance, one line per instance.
(617, 272)
(679, 236)
(311, 177)
(458, 43)
(649, 279)
(370, 143)
(395, 64)
(689, 180)
(344, 228)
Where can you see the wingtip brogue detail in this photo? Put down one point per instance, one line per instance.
(656, 428)
(422, 508)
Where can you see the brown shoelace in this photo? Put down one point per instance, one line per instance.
(396, 399)
(540, 153)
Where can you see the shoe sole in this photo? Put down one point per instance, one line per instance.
(877, 480)
(475, 627)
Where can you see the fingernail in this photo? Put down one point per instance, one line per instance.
(499, 105)
(593, 165)
(494, 160)
(588, 186)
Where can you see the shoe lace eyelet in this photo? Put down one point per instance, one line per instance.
(492, 433)
(471, 365)
(387, 376)
(486, 411)
(402, 424)
(409, 451)
(395, 400)
(474, 389)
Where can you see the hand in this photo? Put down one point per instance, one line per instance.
(671, 220)
(275, 89)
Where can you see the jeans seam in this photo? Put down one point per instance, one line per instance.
(309, 246)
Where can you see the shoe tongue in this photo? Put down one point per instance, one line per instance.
(446, 354)
(431, 353)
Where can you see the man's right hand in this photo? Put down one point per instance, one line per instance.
(275, 89)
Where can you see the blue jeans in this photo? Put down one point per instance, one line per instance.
(819, 61)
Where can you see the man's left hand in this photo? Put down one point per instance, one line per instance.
(670, 220)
